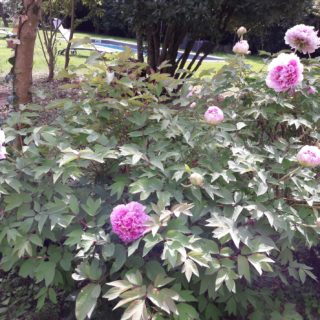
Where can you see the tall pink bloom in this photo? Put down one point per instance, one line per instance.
(284, 72)
(128, 221)
(241, 47)
(309, 156)
(302, 38)
(214, 115)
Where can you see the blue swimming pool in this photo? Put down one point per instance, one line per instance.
(119, 46)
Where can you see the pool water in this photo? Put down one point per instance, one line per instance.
(119, 47)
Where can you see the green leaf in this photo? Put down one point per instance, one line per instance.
(161, 280)
(187, 312)
(145, 186)
(27, 268)
(87, 300)
(121, 256)
(136, 311)
(46, 271)
(52, 296)
(118, 186)
(134, 277)
(35, 239)
(133, 247)
(16, 200)
(190, 268)
(92, 206)
(108, 251)
(243, 268)
(256, 260)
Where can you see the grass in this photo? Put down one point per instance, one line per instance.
(40, 66)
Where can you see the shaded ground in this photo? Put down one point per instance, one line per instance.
(43, 93)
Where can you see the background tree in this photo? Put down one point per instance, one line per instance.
(3, 16)
(93, 11)
(48, 34)
(8, 8)
(166, 24)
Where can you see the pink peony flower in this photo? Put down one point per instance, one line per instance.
(241, 47)
(309, 156)
(214, 115)
(3, 152)
(284, 72)
(128, 221)
(302, 38)
(312, 90)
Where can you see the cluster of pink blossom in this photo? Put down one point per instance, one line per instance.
(309, 156)
(3, 150)
(214, 115)
(302, 38)
(285, 72)
(129, 221)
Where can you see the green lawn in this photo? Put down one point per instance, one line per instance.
(40, 66)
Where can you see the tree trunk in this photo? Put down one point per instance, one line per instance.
(67, 60)
(151, 56)
(139, 45)
(3, 16)
(51, 65)
(27, 34)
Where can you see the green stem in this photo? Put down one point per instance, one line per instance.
(287, 176)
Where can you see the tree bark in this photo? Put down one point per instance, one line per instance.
(27, 34)
(139, 45)
(151, 55)
(67, 60)
(3, 16)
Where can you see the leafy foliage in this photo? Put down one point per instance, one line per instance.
(214, 250)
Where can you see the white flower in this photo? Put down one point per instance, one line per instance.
(109, 77)
(2, 137)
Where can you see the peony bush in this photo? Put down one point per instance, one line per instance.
(167, 199)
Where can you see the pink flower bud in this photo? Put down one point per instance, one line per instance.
(193, 105)
(241, 31)
(214, 115)
(312, 90)
(196, 179)
(309, 156)
(196, 90)
(241, 47)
